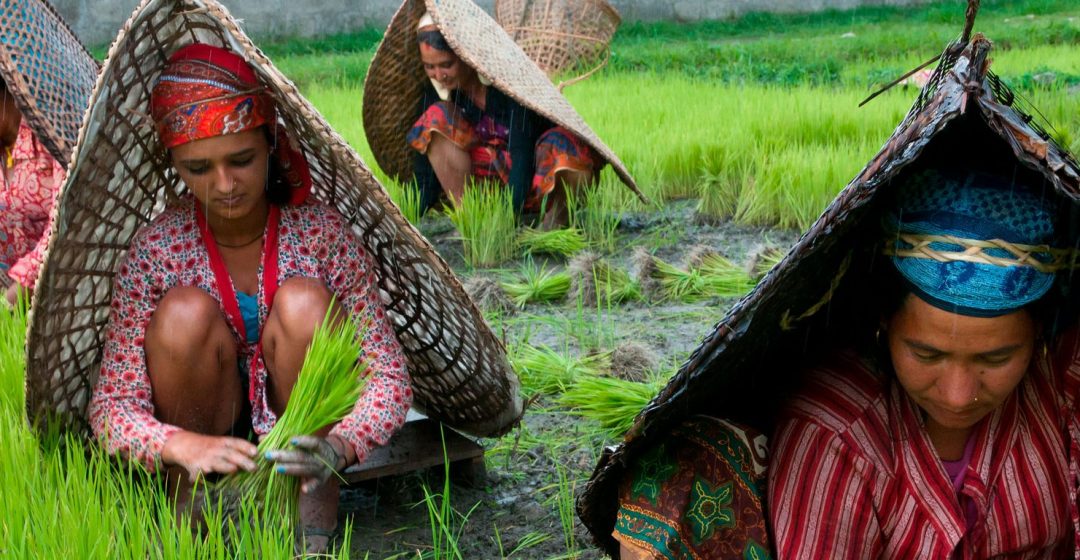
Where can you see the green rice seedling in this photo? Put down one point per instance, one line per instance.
(724, 278)
(326, 389)
(526, 542)
(613, 403)
(687, 285)
(565, 500)
(486, 222)
(537, 284)
(407, 198)
(723, 174)
(447, 525)
(563, 242)
(544, 371)
(598, 209)
(12, 335)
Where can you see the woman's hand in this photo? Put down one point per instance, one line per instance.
(311, 458)
(201, 454)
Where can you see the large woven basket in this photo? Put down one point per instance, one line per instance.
(47, 70)
(395, 81)
(563, 37)
(121, 179)
(817, 297)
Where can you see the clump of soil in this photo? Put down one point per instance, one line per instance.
(645, 274)
(761, 259)
(698, 254)
(489, 295)
(584, 269)
(633, 361)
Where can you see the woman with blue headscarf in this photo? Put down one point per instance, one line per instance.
(947, 437)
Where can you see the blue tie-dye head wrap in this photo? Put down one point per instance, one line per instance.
(971, 207)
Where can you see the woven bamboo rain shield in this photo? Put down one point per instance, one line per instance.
(752, 356)
(560, 36)
(47, 70)
(121, 179)
(396, 80)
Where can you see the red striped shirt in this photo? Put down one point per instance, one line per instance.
(854, 475)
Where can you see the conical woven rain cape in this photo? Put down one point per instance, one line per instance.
(395, 81)
(121, 179)
(48, 72)
(817, 296)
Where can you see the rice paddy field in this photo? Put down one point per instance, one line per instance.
(739, 133)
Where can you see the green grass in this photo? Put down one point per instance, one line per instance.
(62, 498)
(486, 224)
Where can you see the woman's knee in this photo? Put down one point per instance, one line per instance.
(300, 305)
(186, 320)
(443, 151)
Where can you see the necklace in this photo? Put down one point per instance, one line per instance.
(239, 245)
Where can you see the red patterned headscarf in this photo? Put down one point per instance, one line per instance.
(206, 91)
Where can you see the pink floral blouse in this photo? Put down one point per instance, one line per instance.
(315, 242)
(27, 193)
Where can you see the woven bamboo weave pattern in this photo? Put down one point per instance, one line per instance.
(49, 72)
(975, 252)
(122, 178)
(560, 36)
(395, 81)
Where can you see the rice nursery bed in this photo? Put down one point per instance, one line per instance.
(739, 132)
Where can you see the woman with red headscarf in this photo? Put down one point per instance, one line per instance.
(219, 296)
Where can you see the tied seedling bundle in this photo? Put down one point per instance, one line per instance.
(327, 388)
(708, 275)
(613, 403)
(545, 371)
(538, 284)
(564, 242)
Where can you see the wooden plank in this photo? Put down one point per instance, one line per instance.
(416, 446)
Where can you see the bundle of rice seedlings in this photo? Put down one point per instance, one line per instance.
(708, 275)
(564, 242)
(327, 388)
(485, 221)
(613, 403)
(646, 275)
(686, 285)
(537, 284)
(697, 254)
(543, 370)
(762, 258)
(593, 279)
(723, 278)
(717, 198)
(633, 361)
(489, 295)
